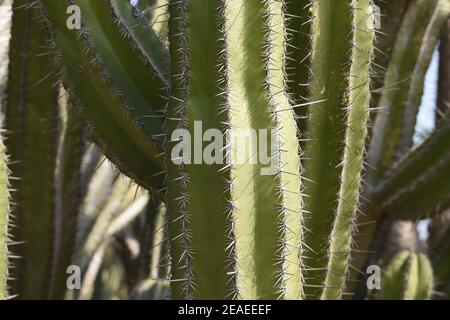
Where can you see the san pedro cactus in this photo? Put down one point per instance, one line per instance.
(228, 149)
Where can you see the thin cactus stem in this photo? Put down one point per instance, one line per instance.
(443, 98)
(390, 17)
(4, 217)
(198, 222)
(416, 88)
(384, 147)
(267, 209)
(68, 196)
(358, 114)
(324, 150)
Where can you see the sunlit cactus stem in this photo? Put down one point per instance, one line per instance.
(4, 214)
(245, 235)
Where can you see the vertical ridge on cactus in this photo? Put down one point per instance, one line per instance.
(198, 215)
(30, 137)
(4, 217)
(355, 140)
(267, 208)
(330, 68)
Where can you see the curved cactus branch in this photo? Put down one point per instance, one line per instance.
(86, 79)
(416, 88)
(418, 186)
(384, 147)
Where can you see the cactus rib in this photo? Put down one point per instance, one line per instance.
(358, 114)
(330, 68)
(31, 112)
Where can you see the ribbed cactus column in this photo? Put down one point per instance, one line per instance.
(342, 45)
(30, 137)
(267, 207)
(4, 212)
(197, 192)
(236, 226)
(355, 139)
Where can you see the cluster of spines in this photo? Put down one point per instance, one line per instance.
(176, 198)
(4, 219)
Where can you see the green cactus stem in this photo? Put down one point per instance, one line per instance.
(418, 186)
(31, 113)
(4, 216)
(408, 276)
(68, 196)
(116, 131)
(358, 114)
(248, 242)
(298, 55)
(324, 149)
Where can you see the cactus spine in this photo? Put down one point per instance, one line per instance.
(259, 219)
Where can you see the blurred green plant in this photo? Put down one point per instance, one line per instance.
(98, 176)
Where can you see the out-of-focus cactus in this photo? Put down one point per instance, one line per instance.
(408, 276)
(278, 215)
